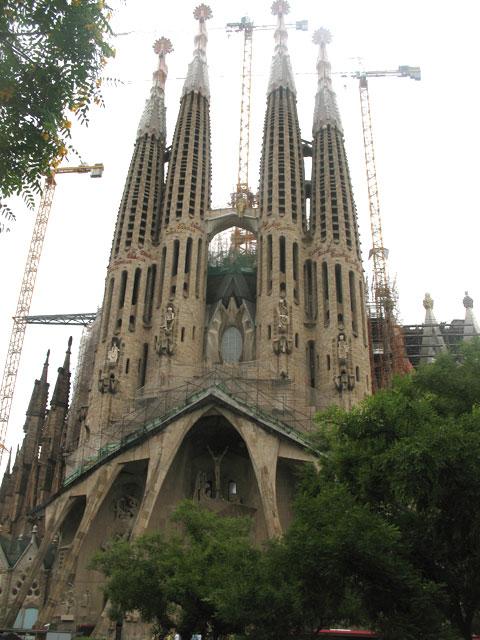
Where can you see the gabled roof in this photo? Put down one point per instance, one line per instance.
(215, 394)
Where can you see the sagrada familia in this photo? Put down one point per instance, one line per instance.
(197, 380)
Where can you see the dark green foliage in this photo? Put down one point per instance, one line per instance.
(52, 53)
(411, 455)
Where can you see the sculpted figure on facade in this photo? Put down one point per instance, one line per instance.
(344, 379)
(282, 342)
(166, 340)
(113, 353)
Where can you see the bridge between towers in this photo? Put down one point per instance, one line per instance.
(218, 220)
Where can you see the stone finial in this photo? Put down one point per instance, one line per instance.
(326, 109)
(467, 301)
(428, 302)
(280, 8)
(281, 74)
(322, 36)
(162, 47)
(197, 74)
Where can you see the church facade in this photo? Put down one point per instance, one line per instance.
(197, 380)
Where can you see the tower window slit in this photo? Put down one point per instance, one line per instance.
(108, 306)
(149, 293)
(311, 365)
(269, 263)
(362, 312)
(176, 253)
(326, 300)
(282, 255)
(338, 283)
(260, 265)
(162, 275)
(123, 288)
(136, 285)
(143, 366)
(310, 290)
(188, 255)
(199, 267)
(295, 272)
(353, 301)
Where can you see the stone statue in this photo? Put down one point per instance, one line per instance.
(344, 379)
(113, 353)
(166, 342)
(217, 461)
(342, 349)
(282, 340)
(125, 508)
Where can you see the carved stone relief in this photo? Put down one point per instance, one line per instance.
(165, 343)
(282, 334)
(344, 377)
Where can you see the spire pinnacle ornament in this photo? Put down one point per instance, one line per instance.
(326, 110)
(197, 75)
(281, 74)
(152, 121)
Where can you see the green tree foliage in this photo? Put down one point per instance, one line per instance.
(52, 53)
(201, 579)
(411, 456)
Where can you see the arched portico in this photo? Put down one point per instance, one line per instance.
(218, 220)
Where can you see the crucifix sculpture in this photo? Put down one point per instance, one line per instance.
(217, 460)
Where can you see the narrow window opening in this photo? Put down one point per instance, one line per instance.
(108, 306)
(353, 302)
(269, 331)
(143, 366)
(188, 255)
(296, 340)
(326, 301)
(176, 253)
(295, 272)
(338, 283)
(127, 366)
(123, 288)
(193, 333)
(136, 286)
(199, 267)
(282, 260)
(311, 362)
(182, 334)
(357, 374)
(161, 280)
(328, 363)
(269, 264)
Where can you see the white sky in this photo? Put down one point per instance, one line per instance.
(427, 136)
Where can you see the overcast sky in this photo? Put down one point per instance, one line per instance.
(427, 136)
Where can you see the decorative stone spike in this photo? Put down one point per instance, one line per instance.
(153, 118)
(326, 109)
(281, 74)
(197, 75)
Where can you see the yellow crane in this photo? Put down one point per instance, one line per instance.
(17, 334)
(384, 334)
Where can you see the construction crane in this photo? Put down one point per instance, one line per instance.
(243, 197)
(20, 321)
(384, 335)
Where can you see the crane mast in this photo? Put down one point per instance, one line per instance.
(17, 334)
(384, 337)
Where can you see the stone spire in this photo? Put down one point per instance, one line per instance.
(470, 325)
(432, 340)
(138, 217)
(152, 121)
(62, 385)
(326, 109)
(197, 74)
(281, 74)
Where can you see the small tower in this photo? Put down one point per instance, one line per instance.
(180, 306)
(127, 310)
(470, 324)
(23, 480)
(51, 460)
(433, 343)
(282, 222)
(334, 281)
